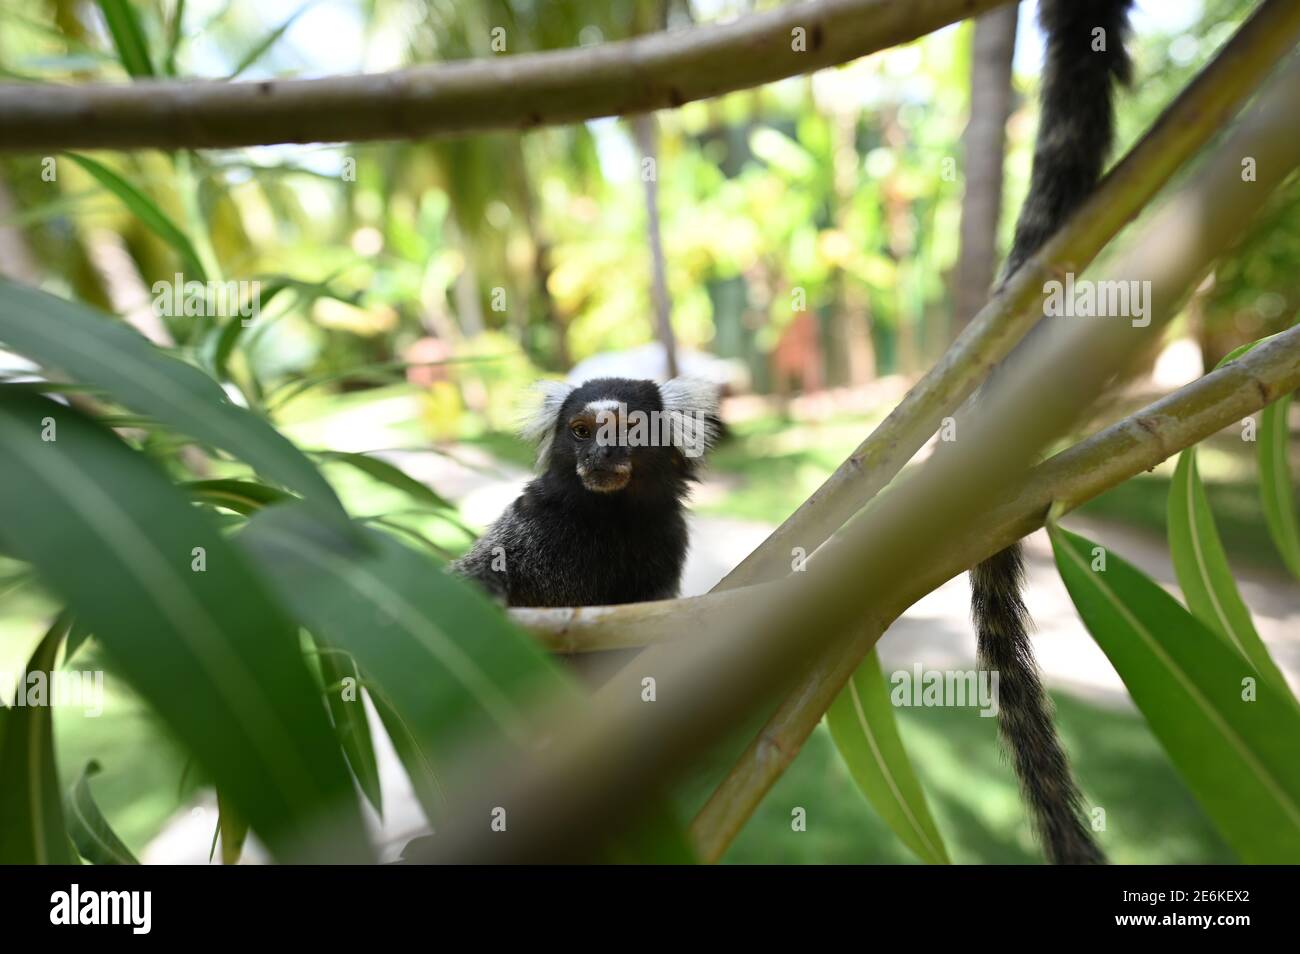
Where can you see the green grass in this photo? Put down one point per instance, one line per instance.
(1151, 818)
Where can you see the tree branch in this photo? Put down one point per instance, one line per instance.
(659, 71)
(1072, 477)
(1198, 113)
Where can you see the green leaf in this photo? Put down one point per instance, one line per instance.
(175, 33)
(348, 711)
(95, 350)
(433, 650)
(393, 476)
(417, 759)
(242, 496)
(147, 211)
(77, 635)
(233, 828)
(1239, 756)
(203, 643)
(268, 41)
(31, 810)
(93, 837)
(861, 720)
(1275, 482)
(1203, 572)
(128, 37)
(234, 327)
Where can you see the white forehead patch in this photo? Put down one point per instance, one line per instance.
(595, 407)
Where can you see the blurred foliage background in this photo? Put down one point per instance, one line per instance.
(810, 231)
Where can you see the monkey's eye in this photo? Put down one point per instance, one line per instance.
(580, 430)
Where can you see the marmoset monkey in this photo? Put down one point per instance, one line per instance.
(604, 521)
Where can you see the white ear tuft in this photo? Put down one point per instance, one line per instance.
(692, 405)
(538, 426)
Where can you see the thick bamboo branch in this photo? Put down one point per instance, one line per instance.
(658, 71)
(1072, 478)
(1197, 114)
(602, 760)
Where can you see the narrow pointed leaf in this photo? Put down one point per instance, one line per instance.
(185, 620)
(1239, 755)
(1203, 572)
(392, 475)
(32, 829)
(91, 833)
(418, 756)
(1275, 487)
(241, 496)
(259, 49)
(233, 827)
(348, 711)
(862, 723)
(96, 350)
(128, 37)
(147, 211)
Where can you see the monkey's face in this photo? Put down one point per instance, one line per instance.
(602, 452)
(619, 436)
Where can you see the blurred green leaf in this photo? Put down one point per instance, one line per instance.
(184, 619)
(128, 37)
(233, 828)
(862, 723)
(268, 41)
(95, 350)
(91, 833)
(1239, 755)
(444, 658)
(417, 759)
(1203, 572)
(147, 211)
(77, 635)
(229, 334)
(32, 827)
(348, 711)
(390, 474)
(175, 33)
(241, 496)
(1275, 482)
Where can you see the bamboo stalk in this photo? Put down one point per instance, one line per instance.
(1189, 122)
(658, 71)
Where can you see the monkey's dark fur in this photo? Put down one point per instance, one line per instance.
(604, 522)
(1074, 137)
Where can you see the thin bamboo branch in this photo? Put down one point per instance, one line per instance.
(662, 70)
(1189, 122)
(604, 759)
(1072, 478)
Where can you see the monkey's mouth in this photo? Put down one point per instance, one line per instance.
(606, 480)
